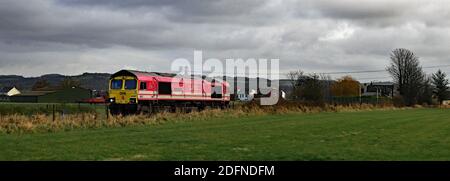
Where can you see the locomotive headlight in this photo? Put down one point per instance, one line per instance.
(112, 100)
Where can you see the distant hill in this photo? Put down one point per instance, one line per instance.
(93, 81)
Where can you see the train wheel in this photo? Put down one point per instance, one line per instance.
(173, 109)
(141, 109)
(155, 109)
(132, 109)
(114, 109)
(150, 109)
(201, 107)
(145, 109)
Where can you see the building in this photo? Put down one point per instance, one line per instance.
(383, 89)
(29, 96)
(6, 92)
(286, 86)
(9, 91)
(4, 98)
(447, 101)
(70, 95)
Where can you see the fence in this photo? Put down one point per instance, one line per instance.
(360, 100)
(57, 111)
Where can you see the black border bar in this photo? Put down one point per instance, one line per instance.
(282, 169)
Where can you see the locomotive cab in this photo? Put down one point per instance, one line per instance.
(123, 90)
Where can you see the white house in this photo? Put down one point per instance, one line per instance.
(446, 102)
(10, 91)
(378, 89)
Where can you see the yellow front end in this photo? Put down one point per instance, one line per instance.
(123, 90)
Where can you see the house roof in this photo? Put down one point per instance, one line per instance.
(152, 75)
(141, 73)
(35, 93)
(380, 83)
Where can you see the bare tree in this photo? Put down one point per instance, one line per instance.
(309, 87)
(426, 92)
(407, 73)
(326, 86)
(295, 77)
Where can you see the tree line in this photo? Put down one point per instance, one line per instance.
(44, 85)
(413, 85)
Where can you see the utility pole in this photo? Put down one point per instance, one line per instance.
(360, 94)
(378, 90)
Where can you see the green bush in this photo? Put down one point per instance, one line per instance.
(34, 108)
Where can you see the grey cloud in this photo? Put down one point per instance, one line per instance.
(246, 12)
(353, 9)
(100, 28)
(74, 36)
(385, 13)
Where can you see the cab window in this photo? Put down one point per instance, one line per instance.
(116, 84)
(143, 86)
(130, 84)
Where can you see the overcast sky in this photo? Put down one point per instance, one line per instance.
(76, 36)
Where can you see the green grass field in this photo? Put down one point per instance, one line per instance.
(414, 134)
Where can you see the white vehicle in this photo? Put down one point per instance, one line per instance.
(244, 97)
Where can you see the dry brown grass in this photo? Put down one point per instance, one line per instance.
(44, 123)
